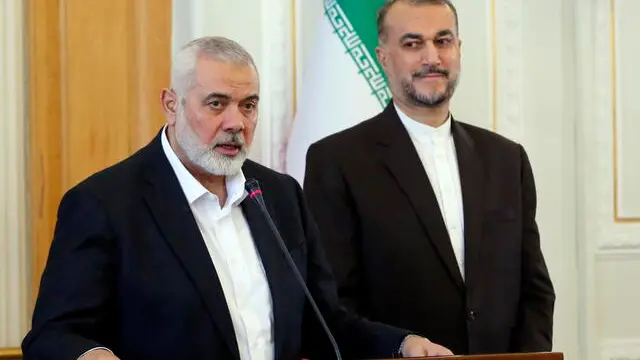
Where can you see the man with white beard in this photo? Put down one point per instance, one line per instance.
(170, 253)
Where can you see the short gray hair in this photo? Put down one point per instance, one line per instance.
(215, 47)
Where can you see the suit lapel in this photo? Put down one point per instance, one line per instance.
(471, 171)
(274, 265)
(402, 160)
(169, 207)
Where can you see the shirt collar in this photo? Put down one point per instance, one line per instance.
(422, 132)
(192, 188)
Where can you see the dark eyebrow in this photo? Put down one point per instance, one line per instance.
(215, 95)
(253, 97)
(446, 32)
(416, 36)
(411, 36)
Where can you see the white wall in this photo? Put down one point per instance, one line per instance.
(539, 72)
(548, 134)
(14, 278)
(609, 234)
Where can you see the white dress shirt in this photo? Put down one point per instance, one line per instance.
(228, 239)
(437, 151)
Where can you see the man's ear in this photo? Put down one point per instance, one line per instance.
(382, 56)
(169, 105)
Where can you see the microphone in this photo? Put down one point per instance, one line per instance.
(255, 193)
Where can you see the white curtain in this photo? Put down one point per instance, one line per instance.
(14, 279)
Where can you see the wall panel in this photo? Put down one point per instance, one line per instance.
(96, 69)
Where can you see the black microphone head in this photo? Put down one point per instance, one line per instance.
(253, 188)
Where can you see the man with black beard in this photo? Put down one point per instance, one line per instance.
(415, 199)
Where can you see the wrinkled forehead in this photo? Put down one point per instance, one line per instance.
(238, 80)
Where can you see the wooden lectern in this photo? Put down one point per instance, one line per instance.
(16, 355)
(523, 356)
(10, 354)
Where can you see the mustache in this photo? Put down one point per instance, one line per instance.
(430, 70)
(235, 139)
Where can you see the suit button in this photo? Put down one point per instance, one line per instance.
(472, 315)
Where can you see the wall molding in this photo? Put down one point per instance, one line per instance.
(13, 227)
(618, 237)
(588, 189)
(616, 124)
(508, 65)
(621, 349)
(613, 234)
(618, 255)
(276, 81)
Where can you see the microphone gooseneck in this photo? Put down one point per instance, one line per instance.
(255, 193)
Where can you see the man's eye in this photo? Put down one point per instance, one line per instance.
(215, 104)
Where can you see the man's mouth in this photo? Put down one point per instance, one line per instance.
(231, 149)
(431, 76)
(431, 72)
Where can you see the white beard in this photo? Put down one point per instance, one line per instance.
(205, 156)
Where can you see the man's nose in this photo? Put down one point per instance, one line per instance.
(232, 121)
(430, 54)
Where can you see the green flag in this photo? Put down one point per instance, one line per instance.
(343, 83)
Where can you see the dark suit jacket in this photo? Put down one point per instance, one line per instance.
(390, 250)
(128, 270)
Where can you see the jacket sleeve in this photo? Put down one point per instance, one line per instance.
(74, 305)
(534, 328)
